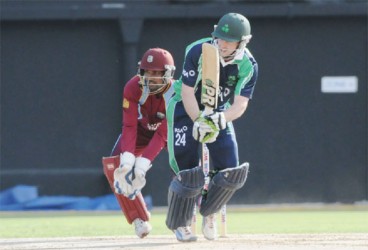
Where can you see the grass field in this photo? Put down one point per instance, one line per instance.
(342, 219)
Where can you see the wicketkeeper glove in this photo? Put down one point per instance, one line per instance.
(218, 119)
(204, 130)
(142, 165)
(123, 174)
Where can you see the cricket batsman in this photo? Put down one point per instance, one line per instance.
(189, 126)
(144, 134)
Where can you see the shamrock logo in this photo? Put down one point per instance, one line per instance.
(231, 80)
(225, 28)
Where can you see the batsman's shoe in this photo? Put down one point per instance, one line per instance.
(184, 234)
(142, 228)
(209, 227)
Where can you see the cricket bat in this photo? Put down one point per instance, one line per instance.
(210, 77)
(210, 86)
(209, 94)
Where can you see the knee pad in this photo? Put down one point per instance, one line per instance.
(222, 187)
(183, 191)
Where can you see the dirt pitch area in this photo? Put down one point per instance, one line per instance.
(246, 242)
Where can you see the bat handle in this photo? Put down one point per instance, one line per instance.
(207, 110)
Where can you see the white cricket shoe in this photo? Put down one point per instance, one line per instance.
(209, 227)
(184, 234)
(142, 228)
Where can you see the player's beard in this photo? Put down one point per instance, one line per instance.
(227, 54)
(153, 86)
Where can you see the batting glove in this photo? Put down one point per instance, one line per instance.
(218, 119)
(204, 130)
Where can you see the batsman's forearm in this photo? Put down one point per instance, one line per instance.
(237, 109)
(190, 102)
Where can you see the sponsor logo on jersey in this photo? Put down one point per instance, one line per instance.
(125, 103)
(223, 93)
(187, 74)
(181, 130)
(153, 126)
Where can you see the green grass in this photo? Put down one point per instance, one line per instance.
(68, 224)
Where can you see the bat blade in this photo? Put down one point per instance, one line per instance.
(210, 77)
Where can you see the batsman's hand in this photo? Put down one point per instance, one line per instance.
(204, 130)
(124, 173)
(218, 119)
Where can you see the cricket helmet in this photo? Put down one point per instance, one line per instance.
(232, 27)
(156, 59)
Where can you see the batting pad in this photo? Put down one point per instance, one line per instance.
(222, 187)
(183, 191)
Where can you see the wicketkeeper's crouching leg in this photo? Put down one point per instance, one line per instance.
(220, 190)
(135, 211)
(183, 193)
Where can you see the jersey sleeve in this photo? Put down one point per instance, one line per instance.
(130, 121)
(192, 67)
(248, 74)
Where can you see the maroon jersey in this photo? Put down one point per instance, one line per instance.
(144, 126)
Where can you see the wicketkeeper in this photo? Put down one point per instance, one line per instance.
(188, 128)
(144, 134)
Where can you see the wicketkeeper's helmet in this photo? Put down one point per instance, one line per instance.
(156, 59)
(232, 27)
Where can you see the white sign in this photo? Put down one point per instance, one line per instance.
(339, 84)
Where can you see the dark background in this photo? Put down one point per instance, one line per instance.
(64, 65)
